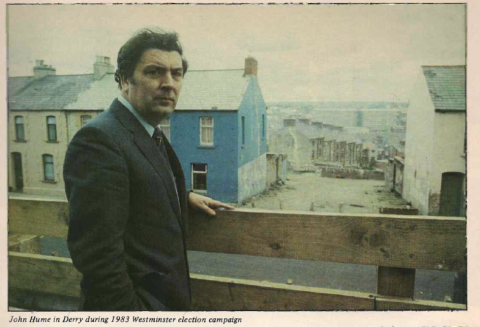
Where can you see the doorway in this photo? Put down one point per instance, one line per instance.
(18, 171)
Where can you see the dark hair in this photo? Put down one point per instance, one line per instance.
(145, 39)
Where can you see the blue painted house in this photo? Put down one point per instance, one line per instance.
(218, 131)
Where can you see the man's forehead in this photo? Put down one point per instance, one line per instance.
(161, 57)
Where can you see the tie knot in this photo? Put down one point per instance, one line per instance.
(157, 132)
(157, 135)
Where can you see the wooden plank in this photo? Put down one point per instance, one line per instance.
(38, 217)
(396, 281)
(417, 242)
(391, 304)
(43, 274)
(24, 243)
(230, 294)
(57, 276)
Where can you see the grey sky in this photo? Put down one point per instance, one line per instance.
(305, 53)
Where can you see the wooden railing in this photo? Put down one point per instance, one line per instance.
(397, 244)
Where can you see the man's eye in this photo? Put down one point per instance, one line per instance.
(152, 72)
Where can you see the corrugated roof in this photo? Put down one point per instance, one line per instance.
(53, 92)
(204, 89)
(446, 85)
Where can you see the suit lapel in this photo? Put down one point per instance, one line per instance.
(150, 150)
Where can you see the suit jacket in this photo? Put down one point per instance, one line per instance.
(126, 227)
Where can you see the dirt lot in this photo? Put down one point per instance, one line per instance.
(327, 195)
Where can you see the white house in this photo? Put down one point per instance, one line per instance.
(434, 175)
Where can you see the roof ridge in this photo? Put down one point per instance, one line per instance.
(211, 70)
(31, 76)
(443, 66)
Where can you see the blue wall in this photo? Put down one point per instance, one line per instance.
(253, 107)
(222, 175)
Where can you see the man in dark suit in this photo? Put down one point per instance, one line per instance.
(126, 188)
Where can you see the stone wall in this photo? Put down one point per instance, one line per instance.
(334, 172)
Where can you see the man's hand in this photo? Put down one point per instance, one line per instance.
(205, 204)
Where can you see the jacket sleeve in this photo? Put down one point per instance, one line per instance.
(97, 188)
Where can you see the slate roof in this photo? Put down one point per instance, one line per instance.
(99, 96)
(204, 89)
(53, 92)
(446, 85)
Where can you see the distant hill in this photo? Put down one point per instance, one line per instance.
(340, 105)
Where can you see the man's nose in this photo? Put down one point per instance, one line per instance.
(167, 80)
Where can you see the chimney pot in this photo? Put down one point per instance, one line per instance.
(251, 66)
(40, 70)
(101, 67)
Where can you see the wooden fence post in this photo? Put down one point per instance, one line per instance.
(393, 281)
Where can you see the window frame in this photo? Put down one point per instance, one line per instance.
(195, 172)
(45, 164)
(210, 127)
(52, 128)
(263, 126)
(82, 119)
(17, 129)
(166, 127)
(243, 130)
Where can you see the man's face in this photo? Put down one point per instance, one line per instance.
(155, 86)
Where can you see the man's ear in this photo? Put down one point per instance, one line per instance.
(125, 84)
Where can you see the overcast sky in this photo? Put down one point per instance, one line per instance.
(305, 52)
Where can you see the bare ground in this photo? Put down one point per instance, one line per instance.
(327, 195)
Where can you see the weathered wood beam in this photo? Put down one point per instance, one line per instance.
(417, 242)
(42, 273)
(392, 304)
(38, 217)
(230, 294)
(396, 281)
(24, 243)
(57, 276)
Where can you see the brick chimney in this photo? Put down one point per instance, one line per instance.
(251, 66)
(40, 70)
(101, 67)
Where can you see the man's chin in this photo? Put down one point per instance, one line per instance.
(164, 110)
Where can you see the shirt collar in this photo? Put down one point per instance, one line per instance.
(149, 128)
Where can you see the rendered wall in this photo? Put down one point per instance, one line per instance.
(253, 108)
(36, 144)
(221, 159)
(252, 178)
(419, 147)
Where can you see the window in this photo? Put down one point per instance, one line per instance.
(85, 119)
(19, 128)
(51, 129)
(199, 177)
(206, 130)
(263, 126)
(243, 130)
(48, 169)
(165, 127)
